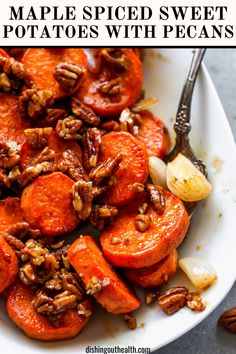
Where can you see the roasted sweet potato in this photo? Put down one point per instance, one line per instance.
(153, 135)
(22, 312)
(8, 265)
(10, 213)
(137, 249)
(12, 125)
(40, 64)
(155, 275)
(3, 53)
(95, 90)
(47, 204)
(132, 169)
(88, 261)
(28, 153)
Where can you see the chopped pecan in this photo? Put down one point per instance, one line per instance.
(138, 187)
(69, 128)
(37, 137)
(194, 302)
(91, 147)
(98, 190)
(157, 197)
(20, 229)
(106, 169)
(84, 112)
(29, 174)
(173, 299)
(143, 208)
(95, 285)
(129, 121)
(4, 179)
(111, 125)
(82, 198)
(130, 320)
(111, 87)
(69, 75)
(11, 74)
(151, 295)
(14, 174)
(35, 252)
(228, 320)
(9, 154)
(16, 244)
(77, 173)
(83, 311)
(142, 222)
(69, 160)
(34, 103)
(116, 58)
(101, 215)
(54, 114)
(71, 283)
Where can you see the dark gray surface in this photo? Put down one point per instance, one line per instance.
(208, 337)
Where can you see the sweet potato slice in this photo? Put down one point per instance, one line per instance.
(22, 312)
(155, 275)
(88, 261)
(92, 91)
(12, 125)
(28, 153)
(47, 204)
(153, 135)
(10, 213)
(8, 264)
(132, 169)
(137, 249)
(3, 53)
(40, 64)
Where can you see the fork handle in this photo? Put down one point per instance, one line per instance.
(182, 126)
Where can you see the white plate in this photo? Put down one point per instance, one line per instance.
(212, 227)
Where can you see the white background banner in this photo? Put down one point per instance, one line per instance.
(118, 23)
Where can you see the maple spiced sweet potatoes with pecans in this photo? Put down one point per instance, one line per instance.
(75, 139)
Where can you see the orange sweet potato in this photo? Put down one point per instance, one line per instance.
(10, 213)
(12, 125)
(155, 275)
(153, 135)
(22, 312)
(8, 264)
(28, 153)
(132, 169)
(88, 261)
(130, 81)
(40, 64)
(47, 204)
(142, 249)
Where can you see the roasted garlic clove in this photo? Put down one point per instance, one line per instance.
(157, 169)
(186, 181)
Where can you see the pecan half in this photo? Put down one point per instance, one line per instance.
(11, 74)
(111, 87)
(142, 222)
(37, 137)
(45, 155)
(54, 114)
(84, 112)
(116, 58)
(83, 311)
(106, 169)
(130, 320)
(101, 215)
(173, 299)
(157, 197)
(111, 125)
(9, 154)
(228, 320)
(69, 75)
(91, 147)
(69, 128)
(82, 198)
(34, 103)
(20, 229)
